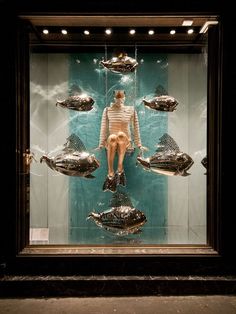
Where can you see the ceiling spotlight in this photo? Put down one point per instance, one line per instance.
(64, 31)
(86, 32)
(108, 31)
(151, 32)
(187, 23)
(172, 32)
(45, 31)
(132, 31)
(190, 31)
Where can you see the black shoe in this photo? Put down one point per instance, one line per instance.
(110, 183)
(121, 178)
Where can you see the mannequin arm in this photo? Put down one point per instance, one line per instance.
(103, 130)
(137, 139)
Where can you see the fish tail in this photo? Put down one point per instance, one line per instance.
(185, 174)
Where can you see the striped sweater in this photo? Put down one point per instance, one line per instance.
(119, 118)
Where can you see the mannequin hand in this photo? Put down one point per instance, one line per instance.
(143, 148)
(98, 148)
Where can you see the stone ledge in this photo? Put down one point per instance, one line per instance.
(71, 286)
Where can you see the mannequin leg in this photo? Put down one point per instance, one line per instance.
(111, 151)
(122, 143)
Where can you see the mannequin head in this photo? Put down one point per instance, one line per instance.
(119, 97)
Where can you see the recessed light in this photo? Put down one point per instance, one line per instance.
(190, 31)
(151, 32)
(108, 31)
(187, 23)
(132, 31)
(45, 31)
(172, 32)
(64, 31)
(86, 32)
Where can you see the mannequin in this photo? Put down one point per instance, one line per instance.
(115, 136)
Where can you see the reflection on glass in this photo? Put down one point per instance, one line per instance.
(174, 206)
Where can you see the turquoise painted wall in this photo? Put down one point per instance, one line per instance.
(148, 191)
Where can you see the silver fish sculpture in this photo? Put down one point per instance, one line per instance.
(122, 218)
(204, 162)
(168, 159)
(162, 103)
(74, 159)
(77, 102)
(120, 64)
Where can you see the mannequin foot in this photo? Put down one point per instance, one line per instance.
(110, 183)
(121, 178)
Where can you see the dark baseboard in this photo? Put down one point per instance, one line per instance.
(85, 286)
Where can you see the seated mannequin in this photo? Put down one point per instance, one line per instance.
(115, 136)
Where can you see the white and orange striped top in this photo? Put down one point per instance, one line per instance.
(119, 119)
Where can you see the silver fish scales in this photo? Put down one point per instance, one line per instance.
(120, 64)
(122, 218)
(162, 103)
(74, 160)
(77, 102)
(168, 159)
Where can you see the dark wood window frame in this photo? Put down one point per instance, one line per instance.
(107, 260)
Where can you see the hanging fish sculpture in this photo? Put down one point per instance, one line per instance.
(74, 159)
(168, 159)
(77, 102)
(162, 103)
(122, 218)
(204, 162)
(120, 64)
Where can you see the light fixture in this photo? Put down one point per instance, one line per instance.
(64, 31)
(190, 31)
(206, 25)
(45, 31)
(187, 23)
(86, 32)
(172, 32)
(151, 32)
(132, 31)
(108, 31)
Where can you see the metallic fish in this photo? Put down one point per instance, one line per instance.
(74, 160)
(78, 102)
(168, 159)
(122, 218)
(204, 162)
(162, 103)
(120, 64)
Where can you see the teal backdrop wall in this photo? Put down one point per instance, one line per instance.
(148, 191)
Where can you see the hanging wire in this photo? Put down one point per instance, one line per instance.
(106, 78)
(135, 73)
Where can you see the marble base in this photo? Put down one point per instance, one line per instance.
(68, 286)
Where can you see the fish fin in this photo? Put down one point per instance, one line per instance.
(90, 176)
(160, 90)
(120, 199)
(75, 89)
(167, 143)
(75, 143)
